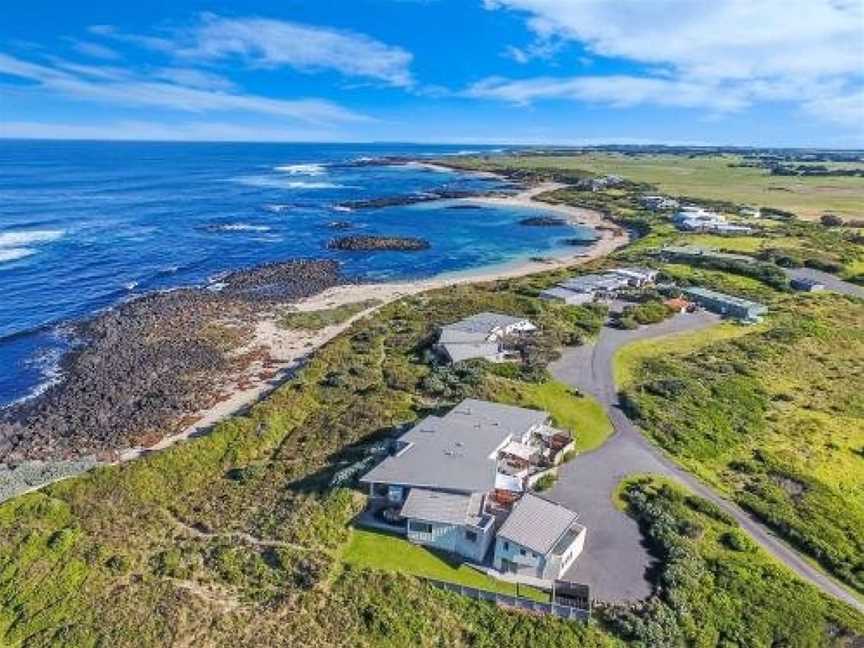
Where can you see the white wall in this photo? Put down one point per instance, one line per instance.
(452, 538)
(529, 563)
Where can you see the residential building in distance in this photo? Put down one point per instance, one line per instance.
(741, 309)
(696, 219)
(586, 288)
(452, 479)
(695, 252)
(658, 203)
(638, 277)
(540, 539)
(480, 336)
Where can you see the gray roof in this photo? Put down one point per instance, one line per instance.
(469, 351)
(537, 524)
(593, 282)
(482, 323)
(704, 293)
(456, 452)
(556, 292)
(448, 508)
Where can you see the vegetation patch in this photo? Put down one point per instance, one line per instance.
(316, 320)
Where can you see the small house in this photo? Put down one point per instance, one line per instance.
(741, 309)
(480, 336)
(540, 539)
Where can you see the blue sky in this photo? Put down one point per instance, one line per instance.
(740, 72)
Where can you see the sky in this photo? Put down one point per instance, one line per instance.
(555, 72)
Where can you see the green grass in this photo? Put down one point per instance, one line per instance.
(719, 588)
(774, 418)
(382, 551)
(579, 414)
(711, 178)
(629, 358)
(315, 320)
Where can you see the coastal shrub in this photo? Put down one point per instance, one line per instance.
(546, 482)
(736, 541)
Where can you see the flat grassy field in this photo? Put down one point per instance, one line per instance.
(711, 178)
(319, 319)
(374, 550)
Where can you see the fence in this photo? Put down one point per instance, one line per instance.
(515, 602)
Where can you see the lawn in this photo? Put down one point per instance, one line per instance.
(579, 414)
(712, 178)
(376, 550)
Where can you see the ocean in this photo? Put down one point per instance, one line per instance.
(87, 225)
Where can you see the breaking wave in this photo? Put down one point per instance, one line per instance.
(302, 169)
(238, 227)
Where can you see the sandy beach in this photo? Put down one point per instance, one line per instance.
(289, 348)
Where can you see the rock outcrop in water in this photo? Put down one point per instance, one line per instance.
(543, 221)
(367, 243)
(409, 199)
(144, 366)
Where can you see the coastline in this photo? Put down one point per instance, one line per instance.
(286, 350)
(291, 347)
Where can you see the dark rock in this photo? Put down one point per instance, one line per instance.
(409, 199)
(398, 243)
(466, 206)
(579, 241)
(144, 366)
(543, 221)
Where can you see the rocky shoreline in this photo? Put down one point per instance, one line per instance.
(143, 367)
(543, 221)
(414, 199)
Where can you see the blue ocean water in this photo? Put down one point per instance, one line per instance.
(87, 225)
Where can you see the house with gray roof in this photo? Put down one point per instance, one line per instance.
(446, 473)
(480, 336)
(451, 522)
(539, 538)
(586, 288)
(739, 308)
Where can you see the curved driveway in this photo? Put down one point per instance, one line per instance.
(615, 561)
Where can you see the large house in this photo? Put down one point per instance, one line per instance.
(658, 203)
(696, 219)
(451, 478)
(540, 539)
(480, 336)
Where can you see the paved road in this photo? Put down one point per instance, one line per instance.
(831, 282)
(615, 561)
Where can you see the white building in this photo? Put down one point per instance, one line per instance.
(480, 336)
(540, 539)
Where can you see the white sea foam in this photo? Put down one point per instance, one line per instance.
(302, 169)
(269, 182)
(11, 254)
(341, 208)
(276, 209)
(239, 227)
(28, 237)
(132, 285)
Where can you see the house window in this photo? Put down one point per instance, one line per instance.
(471, 536)
(522, 551)
(421, 527)
(506, 546)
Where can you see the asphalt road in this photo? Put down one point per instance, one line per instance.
(615, 561)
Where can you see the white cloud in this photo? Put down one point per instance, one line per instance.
(725, 53)
(95, 50)
(268, 43)
(112, 85)
(620, 91)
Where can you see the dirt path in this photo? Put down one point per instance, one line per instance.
(615, 559)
